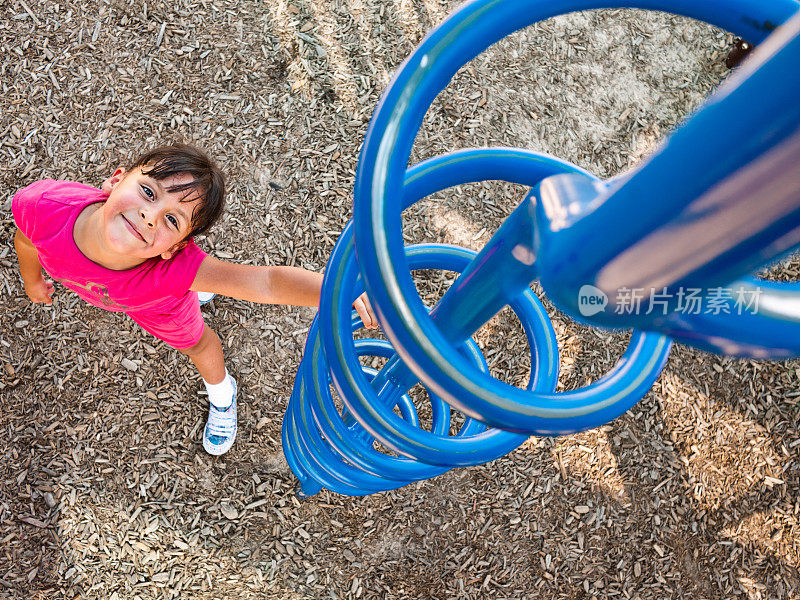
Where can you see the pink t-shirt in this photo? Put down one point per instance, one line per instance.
(46, 211)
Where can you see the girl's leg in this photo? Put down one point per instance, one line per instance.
(220, 430)
(207, 356)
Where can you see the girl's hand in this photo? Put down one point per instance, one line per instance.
(364, 310)
(40, 291)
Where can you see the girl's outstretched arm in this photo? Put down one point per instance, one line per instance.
(268, 285)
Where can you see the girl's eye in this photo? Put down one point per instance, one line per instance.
(173, 221)
(148, 192)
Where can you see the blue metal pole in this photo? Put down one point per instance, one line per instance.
(719, 199)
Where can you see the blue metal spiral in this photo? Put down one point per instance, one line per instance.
(567, 232)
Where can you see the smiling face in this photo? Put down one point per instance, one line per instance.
(143, 218)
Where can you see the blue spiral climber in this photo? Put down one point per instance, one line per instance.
(717, 201)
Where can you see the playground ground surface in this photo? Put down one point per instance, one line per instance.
(105, 491)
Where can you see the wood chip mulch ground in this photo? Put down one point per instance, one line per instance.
(105, 491)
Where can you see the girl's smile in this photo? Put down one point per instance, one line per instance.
(133, 229)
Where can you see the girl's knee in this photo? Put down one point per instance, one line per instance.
(201, 344)
(191, 349)
(206, 341)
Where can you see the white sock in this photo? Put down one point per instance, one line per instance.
(220, 394)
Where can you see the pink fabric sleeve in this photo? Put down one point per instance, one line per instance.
(183, 268)
(24, 204)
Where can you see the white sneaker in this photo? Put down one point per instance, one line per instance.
(205, 297)
(220, 428)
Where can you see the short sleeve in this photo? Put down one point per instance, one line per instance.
(24, 206)
(177, 274)
(193, 256)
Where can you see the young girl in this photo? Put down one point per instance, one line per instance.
(129, 248)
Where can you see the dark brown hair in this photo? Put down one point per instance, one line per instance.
(166, 161)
